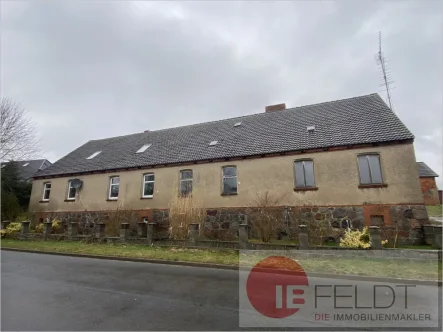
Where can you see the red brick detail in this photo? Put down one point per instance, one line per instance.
(274, 108)
(376, 210)
(429, 190)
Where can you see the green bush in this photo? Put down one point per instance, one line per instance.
(356, 239)
(12, 230)
(56, 227)
(39, 228)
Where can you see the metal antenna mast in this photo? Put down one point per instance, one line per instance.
(381, 61)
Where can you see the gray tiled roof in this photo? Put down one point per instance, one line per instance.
(425, 171)
(31, 168)
(365, 119)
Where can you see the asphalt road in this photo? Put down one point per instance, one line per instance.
(45, 292)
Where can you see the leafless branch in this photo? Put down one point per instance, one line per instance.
(18, 139)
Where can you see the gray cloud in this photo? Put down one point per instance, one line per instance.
(87, 70)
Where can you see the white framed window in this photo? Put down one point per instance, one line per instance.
(71, 191)
(229, 180)
(304, 174)
(369, 169)
(95, 154)
(143, 148)
(148, 185)
(186, 182)
(46, 191)
(114, 185)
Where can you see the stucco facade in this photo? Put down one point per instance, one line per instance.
(336, 178)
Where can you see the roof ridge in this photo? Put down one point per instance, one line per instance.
(239, 117)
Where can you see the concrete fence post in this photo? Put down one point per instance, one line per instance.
(428, 231)
(243, 235)
(124, 231)
(303, 238)
(5, 224)
(24, 231)
(437, 237)
(193, 233)
(150, 232)
(142, 229)
(47, 230)
(72, 230)
(374, 231)
(100, 230)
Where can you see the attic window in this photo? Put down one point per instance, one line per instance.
(213, 143)
(143, 148)
(237, 124)
(311, 129)
(95, 154)
(25, 164)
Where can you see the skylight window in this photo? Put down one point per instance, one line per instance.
(213, 143)
(143, 148)
(25, 164)
(95, 154)
(311, 128)
(237, 124)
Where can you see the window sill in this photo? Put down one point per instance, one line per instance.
(228, 194)
(44, 201)
(112, 199)
(147, 197)
(378, 185)
(306, 189)
(69, 200)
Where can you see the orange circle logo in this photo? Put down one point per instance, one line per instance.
(273, 287)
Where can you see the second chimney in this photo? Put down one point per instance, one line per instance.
(275, 108)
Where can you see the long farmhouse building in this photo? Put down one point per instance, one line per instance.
(349, 158)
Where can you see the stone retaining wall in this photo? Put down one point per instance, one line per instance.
(323, 223)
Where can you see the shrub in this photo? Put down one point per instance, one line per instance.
(12, 230)
(184, 210)
(356, 239)
(115, 218)
(268, 219)
(39, 228)
(57, 226)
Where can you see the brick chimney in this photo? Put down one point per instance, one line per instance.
(275, 108)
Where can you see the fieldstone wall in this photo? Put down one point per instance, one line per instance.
(222, 224)
(323, 223)
(408, 221)
(86, 220)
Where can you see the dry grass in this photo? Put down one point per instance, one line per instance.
(184, 210)
(116, 217)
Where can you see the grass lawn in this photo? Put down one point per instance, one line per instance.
(229, 257)
(434, 210)
(388, 267)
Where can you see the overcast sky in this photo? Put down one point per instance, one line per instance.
(89, 70)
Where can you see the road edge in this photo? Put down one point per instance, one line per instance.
(226, 267)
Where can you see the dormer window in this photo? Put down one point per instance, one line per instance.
(143, 148)
(95, 154)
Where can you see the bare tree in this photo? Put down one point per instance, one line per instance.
(18, 139)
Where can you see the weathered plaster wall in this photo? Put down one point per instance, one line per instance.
(336, 176)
